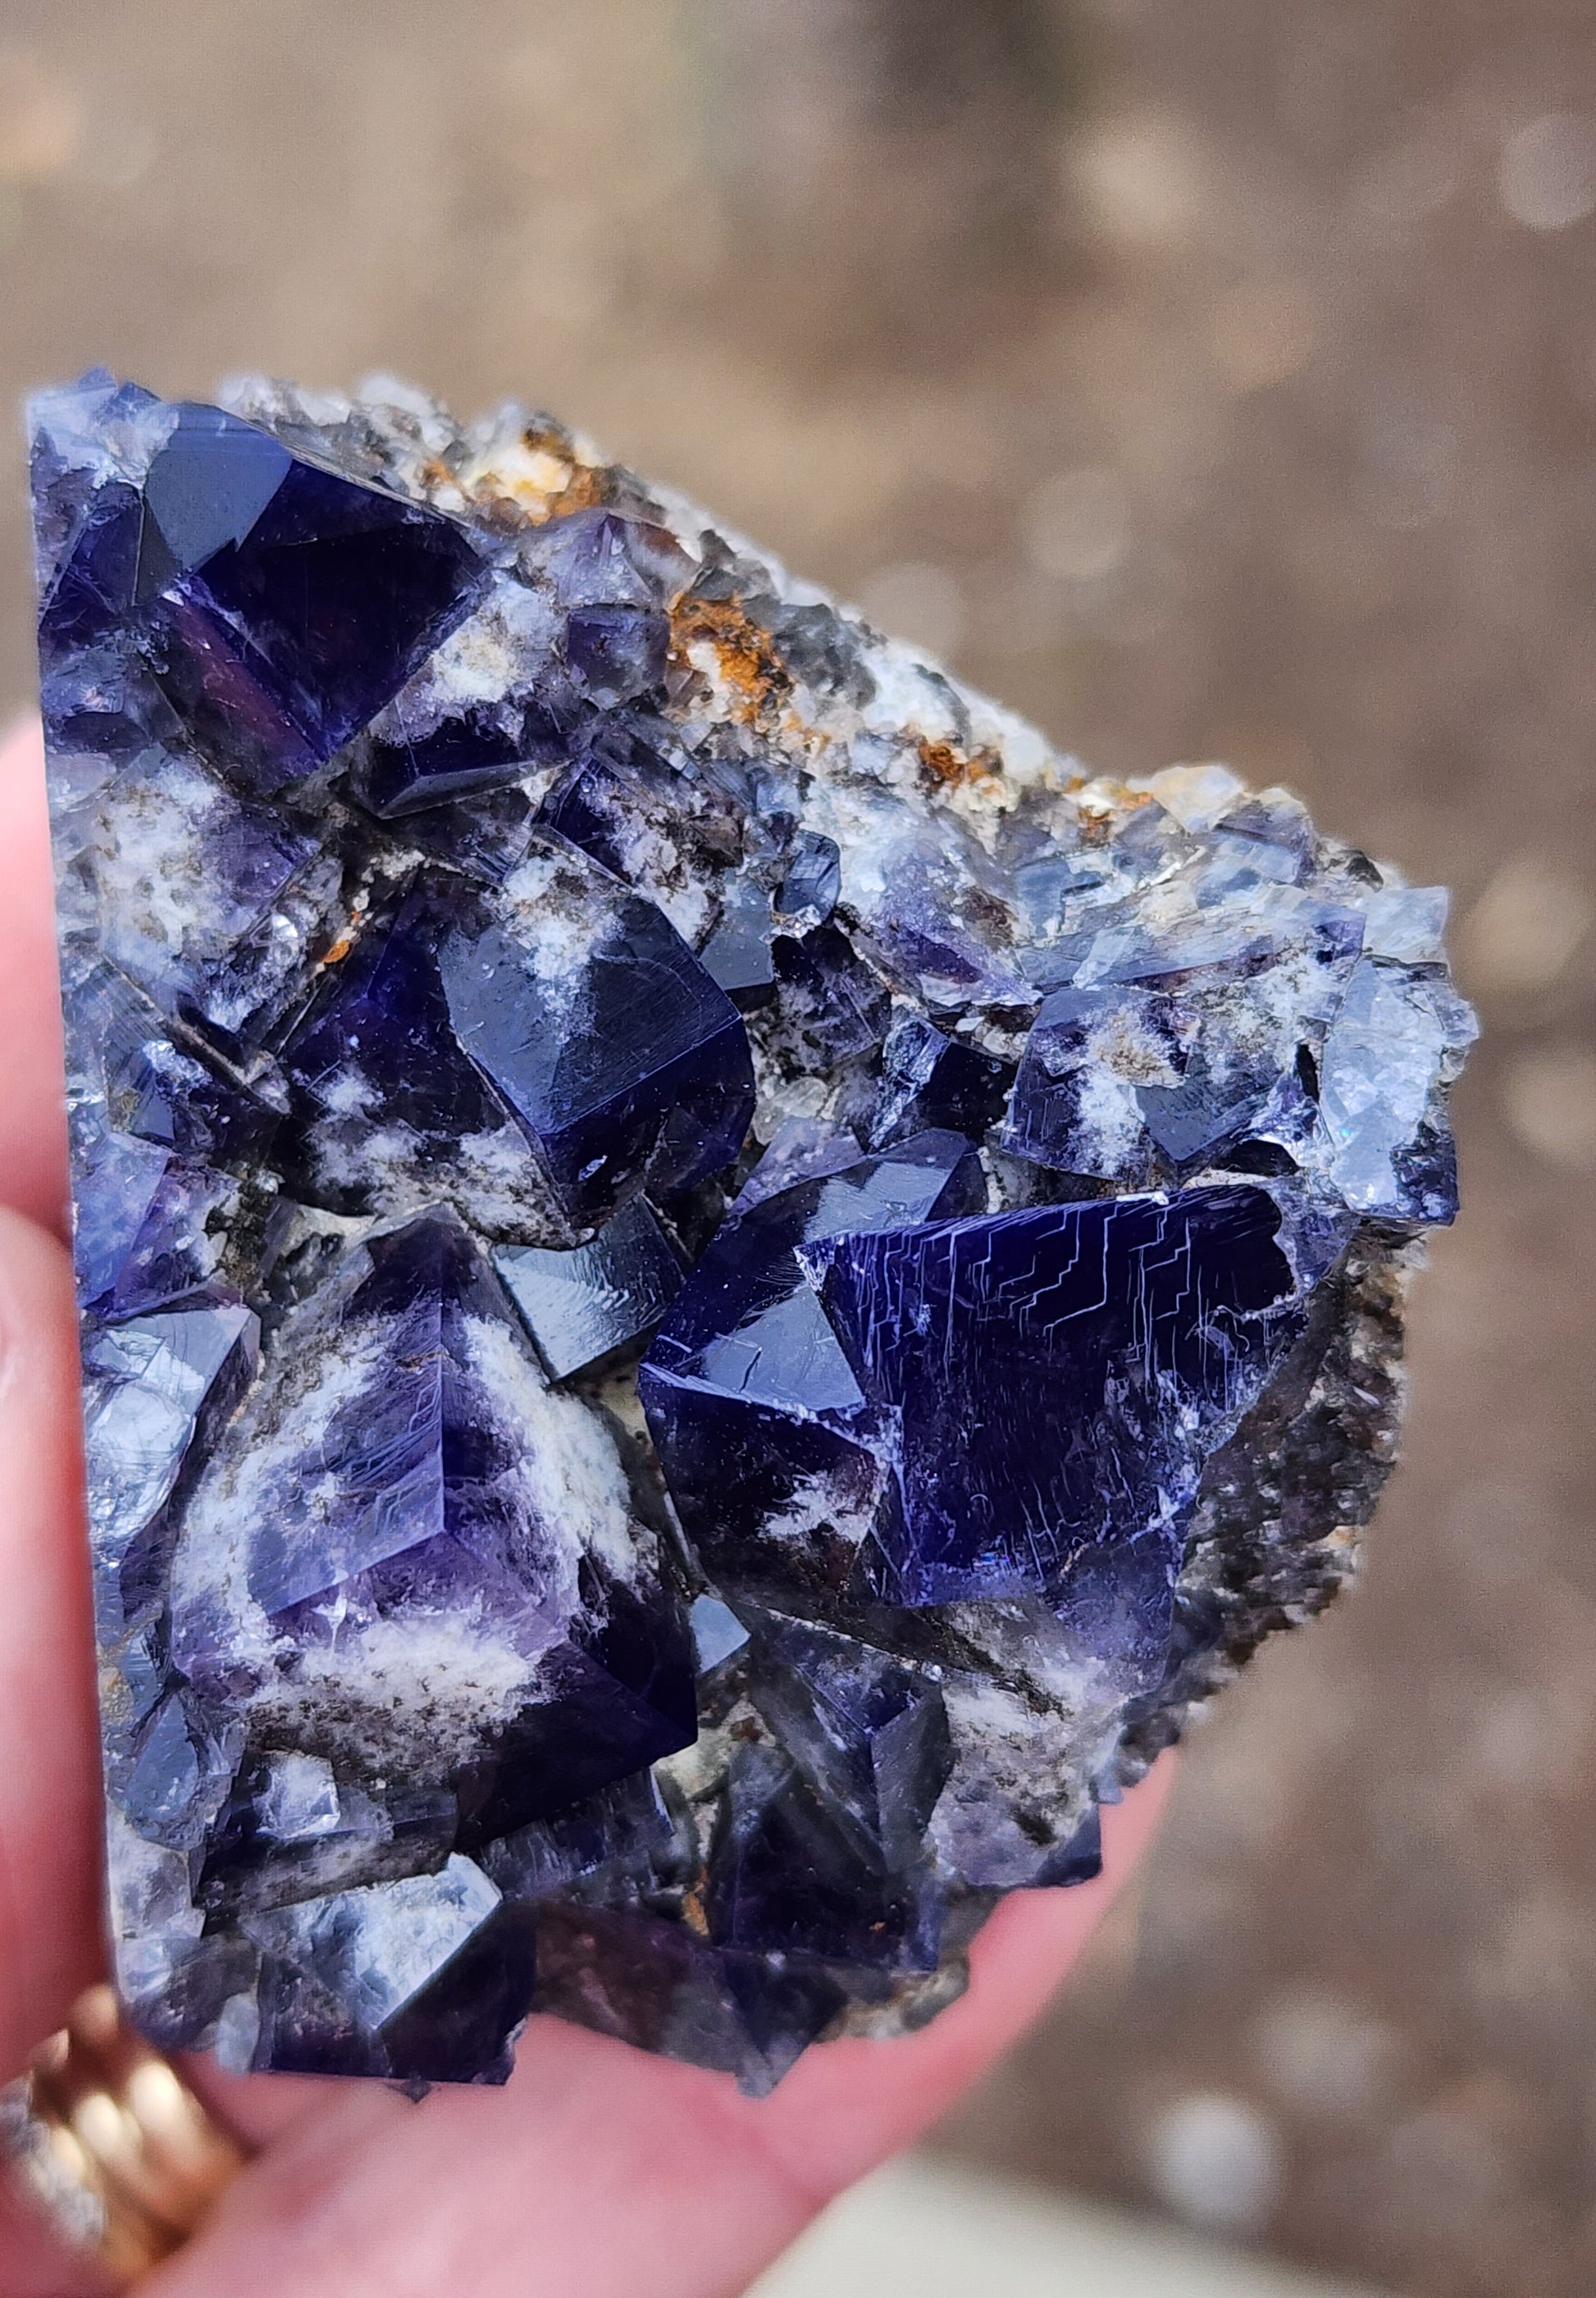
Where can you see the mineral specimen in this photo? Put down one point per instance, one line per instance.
(715, 1289)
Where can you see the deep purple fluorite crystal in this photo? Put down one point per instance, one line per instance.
(714, 1289)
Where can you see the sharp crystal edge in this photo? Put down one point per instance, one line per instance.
(715, 1289)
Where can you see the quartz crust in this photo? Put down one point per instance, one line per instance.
(716, 1287)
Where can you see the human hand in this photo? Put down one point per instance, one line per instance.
(597, 2169)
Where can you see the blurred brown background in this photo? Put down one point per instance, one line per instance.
(1208, 377)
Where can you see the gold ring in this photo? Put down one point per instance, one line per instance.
(106, 2135)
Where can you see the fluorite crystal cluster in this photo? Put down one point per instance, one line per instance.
(715, 1289)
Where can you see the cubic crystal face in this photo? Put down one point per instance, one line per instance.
(714, 1289)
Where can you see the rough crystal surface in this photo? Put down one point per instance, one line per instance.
(715, 1288)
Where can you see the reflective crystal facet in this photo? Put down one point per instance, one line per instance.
(715, 1293)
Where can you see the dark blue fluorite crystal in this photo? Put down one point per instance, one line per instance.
(712, 1293)
(444, 1484)
(1138, 1332)
(784, 1878)
(143, 1223)
(929, 1079)
(868, 1730)
(283, 604)
(603, 1033)
(813, 1405)
(409, 771)
(586, 1304)
(156, 1388)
